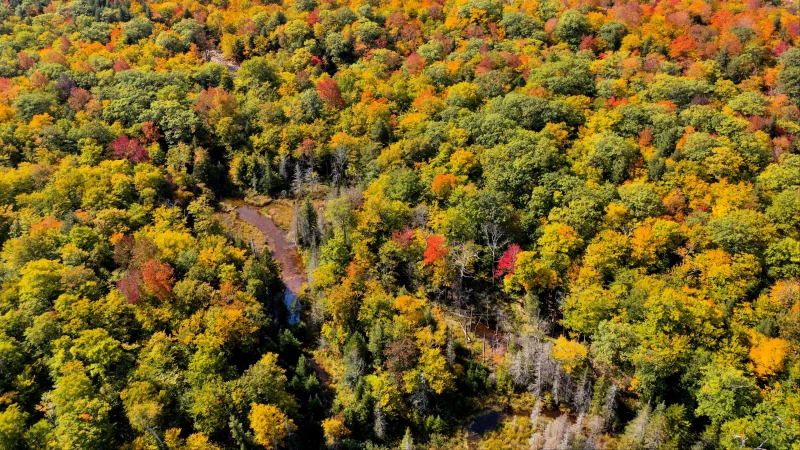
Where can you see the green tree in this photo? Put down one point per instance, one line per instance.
(82, 413)
(641, 200)
(572, 27)
(136, 29)
(612, 32)
(611, 156)
(742, 230)
(725, 394)
(790, 73)
(12, 427)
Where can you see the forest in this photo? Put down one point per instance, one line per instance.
(522, 224)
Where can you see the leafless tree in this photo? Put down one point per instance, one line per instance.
(463, 257)
(556, 431)
(283, 166)
(536, 414)
(339, 165)
(583, 393)
(450, 348)
(495, 240)
(522, 362)
(536, 442)
(317, 311)
(610, 407)
(419, 216)
(636, 429)
(294, 233)
(561, 388)
(656, 434)
(575, 437)
(545, 369)
(595, 429)
(380, 422)
(297, 180)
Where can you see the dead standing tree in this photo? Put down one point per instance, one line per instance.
(495, 239)
(463, 256)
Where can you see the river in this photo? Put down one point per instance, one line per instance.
(284, 252)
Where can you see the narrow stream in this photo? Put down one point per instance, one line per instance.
(284, 252)
(292, 270)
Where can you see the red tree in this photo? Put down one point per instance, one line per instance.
(403, 238)
(508, 261)
(129, 286)
(65, 44)
(329, 92)
(130, 149)
(25, 61)
(157, 279)
(414, 63)
(436, 249)
(121, 65)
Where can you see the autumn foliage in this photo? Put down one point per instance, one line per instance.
(130, 149)
(329, 92)
(435, 249)
(581, 217)
(157, 279)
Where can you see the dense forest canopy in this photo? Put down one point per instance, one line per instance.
(579, 218)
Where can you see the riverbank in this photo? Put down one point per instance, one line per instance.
(283, 251)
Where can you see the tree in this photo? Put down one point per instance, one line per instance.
(143, 406)
(136, 29)
(101, 354)
(570, 354)
(39, 284)
(354, 361)
(270, 425)
(725, 393)
(83, 415)
(611, 156)
(436, 249)
(330, 93)
(157, 279)
(741, 230)
(585, 309)
(508, 262)
(334, 429)
(35, 103)
(12, 427)
(408, 440)
(768, 356)
(130, 149)
(790, 73)
(566, 74)
(265, 382)
(572, 27)
(254, 72)
(531, 273)
(641, 200)
(612, 32)
(380, 422)
(464, 255)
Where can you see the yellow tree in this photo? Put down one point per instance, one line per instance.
(334, 429)
(270, 425)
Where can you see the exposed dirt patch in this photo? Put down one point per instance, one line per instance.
(217, 57)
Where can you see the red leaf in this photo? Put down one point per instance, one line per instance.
(436, 249)
(508, 261)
